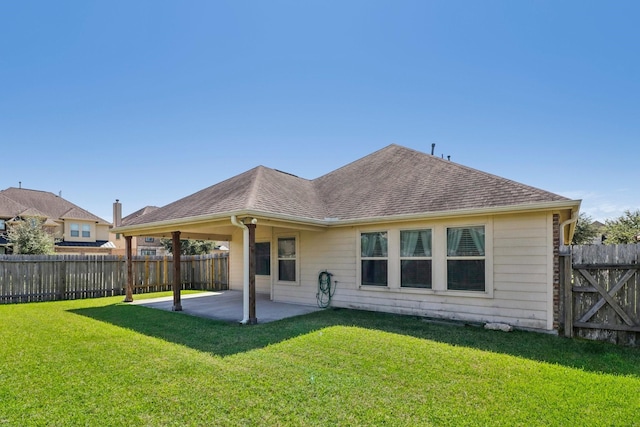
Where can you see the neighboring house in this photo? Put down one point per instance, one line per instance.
(400, 231)
(141, 245)
(76, 230)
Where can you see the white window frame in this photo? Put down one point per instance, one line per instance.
(488, 269)
(360, 258)
(142, 252)
(3, 224)
(275, 267)
(415, 258)
(439, 257)
(86, 231)
(74, 227)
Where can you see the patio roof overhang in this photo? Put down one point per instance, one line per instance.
(217, 226)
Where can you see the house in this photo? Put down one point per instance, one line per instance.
(76, 230)
(399, 231)
(141, 245)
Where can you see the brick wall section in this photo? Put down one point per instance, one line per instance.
(556, 271)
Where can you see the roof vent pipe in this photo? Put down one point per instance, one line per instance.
(245, 272)
(433, 148)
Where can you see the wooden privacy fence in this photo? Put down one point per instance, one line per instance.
(602, 292)
(27, 278)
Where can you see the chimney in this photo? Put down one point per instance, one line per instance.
(117, 213)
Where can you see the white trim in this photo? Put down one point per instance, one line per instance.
(438, 258)
(466, 257)
(422, 258)
(275, 259)
(327, 222)
(359, 233)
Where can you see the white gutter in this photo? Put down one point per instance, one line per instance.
(245, 272)
(329, 222)
(574, 218)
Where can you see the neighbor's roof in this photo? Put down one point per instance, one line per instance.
(393, 181)
(21, 201)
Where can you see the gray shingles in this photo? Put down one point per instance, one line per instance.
(392, 181)
(147, 209)
(10, 208)
(397, 180)
(48, 203)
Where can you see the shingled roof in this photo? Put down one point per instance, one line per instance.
(393, 181)
(21, 201)
(136, 214)
(398, 181)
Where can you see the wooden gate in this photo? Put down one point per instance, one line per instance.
(602, 293)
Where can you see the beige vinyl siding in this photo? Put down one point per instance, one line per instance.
(331, 250)
(519, 258)
(235, 260)
(521, 266)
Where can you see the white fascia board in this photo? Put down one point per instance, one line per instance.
(573, 205)
(224, 216)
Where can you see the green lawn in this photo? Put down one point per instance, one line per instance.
(104, 363)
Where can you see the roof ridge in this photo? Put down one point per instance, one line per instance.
(30, 211)
(255, 186)
(31, 189)
(13, 201)
(358, 159)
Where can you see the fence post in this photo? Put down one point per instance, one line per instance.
(567, 286)
(62, 280)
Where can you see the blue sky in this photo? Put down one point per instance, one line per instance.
(149, 101)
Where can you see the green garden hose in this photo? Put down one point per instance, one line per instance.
(325, 291)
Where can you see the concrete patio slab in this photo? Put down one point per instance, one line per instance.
(227, 306)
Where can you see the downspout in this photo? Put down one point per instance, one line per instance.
(245, 268)
(574, 218)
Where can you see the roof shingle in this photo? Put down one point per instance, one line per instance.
(47, 203)
(392, 181)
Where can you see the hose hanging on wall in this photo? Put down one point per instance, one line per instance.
(325, 292)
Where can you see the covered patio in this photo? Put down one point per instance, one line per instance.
(227, 306)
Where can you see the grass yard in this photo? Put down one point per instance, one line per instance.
(104, 363)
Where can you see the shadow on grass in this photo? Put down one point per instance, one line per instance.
(225, 339)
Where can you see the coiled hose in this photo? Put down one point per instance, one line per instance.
(325, 291)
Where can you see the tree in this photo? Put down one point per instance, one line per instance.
(190, 247)
(29, 237)
(624, 229)
(585, 230)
